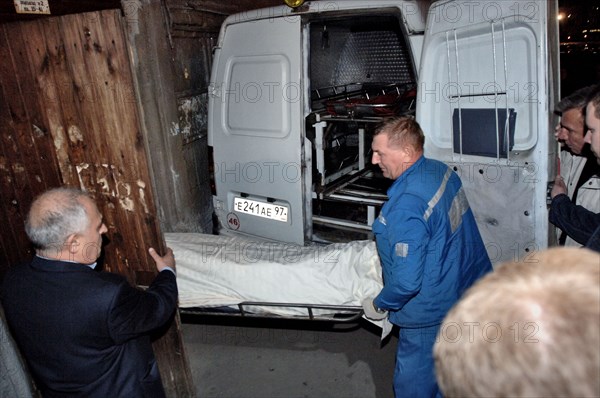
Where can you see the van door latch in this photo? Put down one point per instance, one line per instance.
(214, 91)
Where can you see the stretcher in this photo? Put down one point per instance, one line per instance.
(235, 276)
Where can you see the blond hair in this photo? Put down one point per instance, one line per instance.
(401, 131)
(526, 329)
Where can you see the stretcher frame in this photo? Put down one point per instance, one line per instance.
(340, 313)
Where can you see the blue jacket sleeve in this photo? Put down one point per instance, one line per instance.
(576, 221)
(406, 242)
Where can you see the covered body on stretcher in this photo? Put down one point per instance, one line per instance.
(273, 278)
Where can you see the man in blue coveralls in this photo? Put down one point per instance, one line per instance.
(430, 251)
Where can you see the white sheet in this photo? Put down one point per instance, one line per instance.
(222, 271)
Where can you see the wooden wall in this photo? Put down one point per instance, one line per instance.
(69, 116)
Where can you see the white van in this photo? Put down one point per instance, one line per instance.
(296, 93)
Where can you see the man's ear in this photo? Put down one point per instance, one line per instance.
(72, 243)
(408, 150)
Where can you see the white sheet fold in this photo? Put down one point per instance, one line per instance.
(217, 270)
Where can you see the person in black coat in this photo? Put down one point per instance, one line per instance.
(82, 332)
(576, 221)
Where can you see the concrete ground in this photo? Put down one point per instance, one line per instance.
(248, 358)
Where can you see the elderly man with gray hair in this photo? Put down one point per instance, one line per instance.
(83, 332)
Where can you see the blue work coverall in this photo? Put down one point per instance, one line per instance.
(431, 252)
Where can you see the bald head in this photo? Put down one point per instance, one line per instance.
(56, 214)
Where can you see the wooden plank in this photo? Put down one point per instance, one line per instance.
(42, 166)
(208, 15)
(51, 93)
(15, 157)
(12, 239)
(195, 21)
(192, 72)
(220, 7)
(8, 216)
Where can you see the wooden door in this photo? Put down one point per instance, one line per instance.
(68, 116)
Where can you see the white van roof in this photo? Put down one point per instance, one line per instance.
(414, 12)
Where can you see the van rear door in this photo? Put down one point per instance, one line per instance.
(254, 108)
(486, 85)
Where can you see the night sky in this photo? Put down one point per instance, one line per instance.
(579, 24)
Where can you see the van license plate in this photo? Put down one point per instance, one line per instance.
(261, 209)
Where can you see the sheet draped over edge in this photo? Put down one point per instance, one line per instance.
(216, 271)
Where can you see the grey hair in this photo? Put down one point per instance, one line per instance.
(54, 215)
(576, 100)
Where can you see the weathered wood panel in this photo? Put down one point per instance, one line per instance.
(220, 7)
(69, 117)
(57, 7)
(208, 15)
(27, 164)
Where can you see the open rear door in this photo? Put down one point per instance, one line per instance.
(255, 103)
(484, 102)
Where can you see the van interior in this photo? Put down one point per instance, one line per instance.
(361, 72)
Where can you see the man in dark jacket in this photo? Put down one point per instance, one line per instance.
(430, 250)
(579, 176)
(84, 333)
(580, 223)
